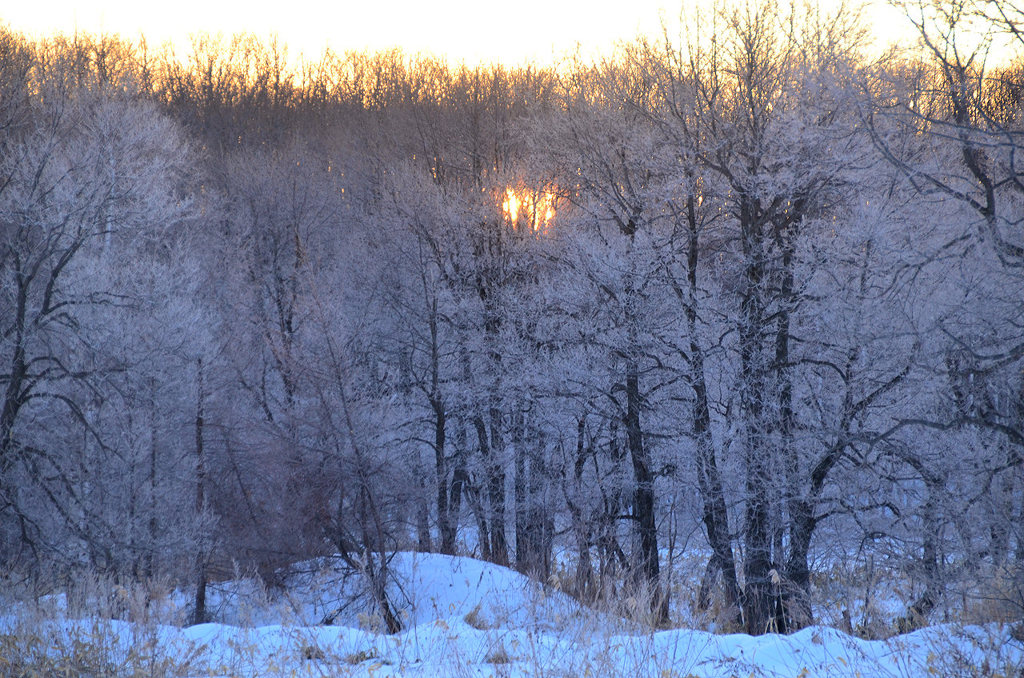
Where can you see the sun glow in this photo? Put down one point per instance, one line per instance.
(527, 208)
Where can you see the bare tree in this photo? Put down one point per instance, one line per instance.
(88, 173)
(951, 125)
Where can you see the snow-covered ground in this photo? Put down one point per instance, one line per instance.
(468, 618)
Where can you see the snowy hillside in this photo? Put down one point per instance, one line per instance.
(463, 618)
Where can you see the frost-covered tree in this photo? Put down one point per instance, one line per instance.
(762, 111)
(949, 121)
(92, 178)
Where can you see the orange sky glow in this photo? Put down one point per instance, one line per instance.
(541, 31)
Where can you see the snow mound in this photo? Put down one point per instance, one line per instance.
(435, 587)
(423, 587)
(463, 617)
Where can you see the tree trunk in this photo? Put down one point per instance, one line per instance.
(918, 611)
(199, 607)
(757, 530)
(643, 494)
(460, 479)
(534, 542)
(583, 584)
(496, 490)
(474, 495)
(709, 480)
(148, 561)
(796, 607)
(497, 552)
(445, 529)
(522, 518)
(14, 395)
(445, 519)
(798, 572)
(422, 507)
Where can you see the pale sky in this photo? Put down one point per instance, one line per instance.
(471, 30)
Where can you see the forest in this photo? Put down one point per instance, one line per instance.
(749, 295)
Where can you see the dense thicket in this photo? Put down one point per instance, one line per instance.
(746, 293)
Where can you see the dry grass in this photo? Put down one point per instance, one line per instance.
(38, 648)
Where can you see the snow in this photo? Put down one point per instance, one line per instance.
(464, 617)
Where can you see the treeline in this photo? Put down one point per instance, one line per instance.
(746, 292)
